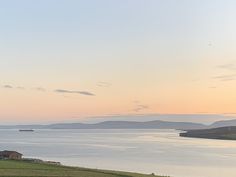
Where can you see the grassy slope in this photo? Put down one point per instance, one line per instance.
(26, 169)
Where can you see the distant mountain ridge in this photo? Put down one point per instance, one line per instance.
(130, 125)
(156, 124)
(223, 123)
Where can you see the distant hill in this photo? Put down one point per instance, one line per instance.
(157, 124)
(130, 125)
(223, 123)
(226, 133)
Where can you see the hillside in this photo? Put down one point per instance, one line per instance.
(156, 124)
(10, 168)
(227, 133)
(223, 123)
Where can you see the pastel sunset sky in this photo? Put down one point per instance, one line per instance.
(63, 60)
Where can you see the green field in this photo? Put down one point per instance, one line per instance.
(11, 168)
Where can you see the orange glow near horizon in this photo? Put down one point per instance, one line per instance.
(152, 58)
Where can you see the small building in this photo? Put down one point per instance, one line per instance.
(13, 155)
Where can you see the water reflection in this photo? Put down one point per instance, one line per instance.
(159, 151)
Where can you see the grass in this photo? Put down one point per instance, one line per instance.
(14, 168)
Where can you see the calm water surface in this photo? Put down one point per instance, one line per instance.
(159, 151)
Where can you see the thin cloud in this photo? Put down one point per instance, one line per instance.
(225, 77)
(229, 113)
(40, 89)
(104, 84)
(140, 107)
(229, 66)
(74, 92)
(13, 87)
(8, 86)
(20, 88)
(212, 87)
(136, 101)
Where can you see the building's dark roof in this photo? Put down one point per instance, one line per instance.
(9, 152)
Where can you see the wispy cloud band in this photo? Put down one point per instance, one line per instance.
(7, 86)
(41, 89)
(229, 77)
(74, 91)
(229, 66)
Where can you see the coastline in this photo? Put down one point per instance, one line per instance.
(222, 133)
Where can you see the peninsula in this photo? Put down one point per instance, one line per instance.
(224, 133)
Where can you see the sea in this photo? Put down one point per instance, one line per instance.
(161, 152)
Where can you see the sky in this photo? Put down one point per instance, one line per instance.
(69, 60)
